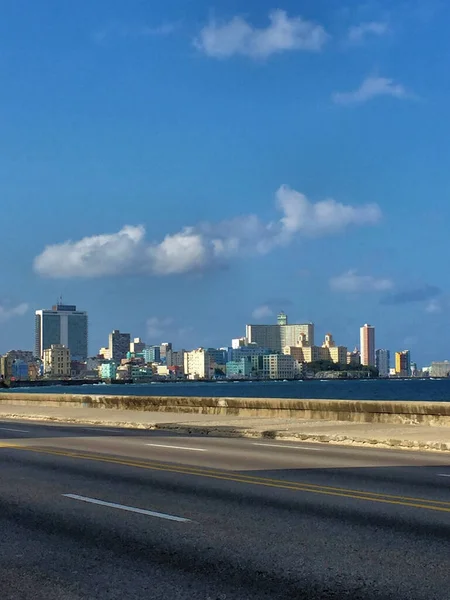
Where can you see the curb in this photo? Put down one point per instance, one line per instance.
(334, 439)
(233, 432)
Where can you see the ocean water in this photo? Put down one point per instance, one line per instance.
(367, 389)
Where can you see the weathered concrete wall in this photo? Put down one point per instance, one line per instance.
(362, 411)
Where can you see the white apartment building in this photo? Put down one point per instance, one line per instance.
(198, 364)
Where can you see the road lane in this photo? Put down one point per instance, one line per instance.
(246, 540)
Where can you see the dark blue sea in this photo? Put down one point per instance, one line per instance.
(367, 389)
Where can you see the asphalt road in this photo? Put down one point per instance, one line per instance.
(105, 513)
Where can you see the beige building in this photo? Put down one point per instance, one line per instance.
(198, 364)
(304, 353)
(279, 366)
(277, 337)
(105, 353)
(367, 339)
(57, 361)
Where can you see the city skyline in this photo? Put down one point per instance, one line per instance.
(287, 157)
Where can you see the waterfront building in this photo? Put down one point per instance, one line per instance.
(440, 369)
(108, 370)
(354, 358)
(276, 337)
(239, 369)
(403, 363)
(367, 340)
(198, 364)
(382, 362)
(57, 361)
(305, 353)
(62, 325)
(119, 345)
(218, 356)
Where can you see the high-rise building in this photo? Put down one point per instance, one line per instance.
(137, 346)
(383, 362)
(62, 325)
(403, 363)
(276, 337)
(175, 358)
(119, 345)
(152, 354)
(165, 347)
(367, 338)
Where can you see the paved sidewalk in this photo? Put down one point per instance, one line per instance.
(410, 437)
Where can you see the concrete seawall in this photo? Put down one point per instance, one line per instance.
(357, 411)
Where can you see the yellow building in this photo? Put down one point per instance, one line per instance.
(304, 353)
(403, 363)
(57, 361)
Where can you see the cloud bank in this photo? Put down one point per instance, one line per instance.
(7, 313)
(206, 245)
(370, 88)
(238, 37)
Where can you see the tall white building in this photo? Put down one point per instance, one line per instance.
(382, 362)
(277, 337)
(197, 364)
(62, 325)
(367, 339)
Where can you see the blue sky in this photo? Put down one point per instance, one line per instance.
(179, 169)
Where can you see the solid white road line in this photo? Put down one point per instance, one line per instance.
(15, 430)
(141, 511)
(177, 447)
(290, 447)
(443, 474)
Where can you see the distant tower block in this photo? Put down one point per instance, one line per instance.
(282, 318)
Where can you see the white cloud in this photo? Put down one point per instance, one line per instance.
(320, 218)
(157, 326)
(433, 307)
(351, 282)
(99, 255)
(358, 33)
(207, 245)
(16, 311)
(262, 312)
(370, 88)
(238, 37)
